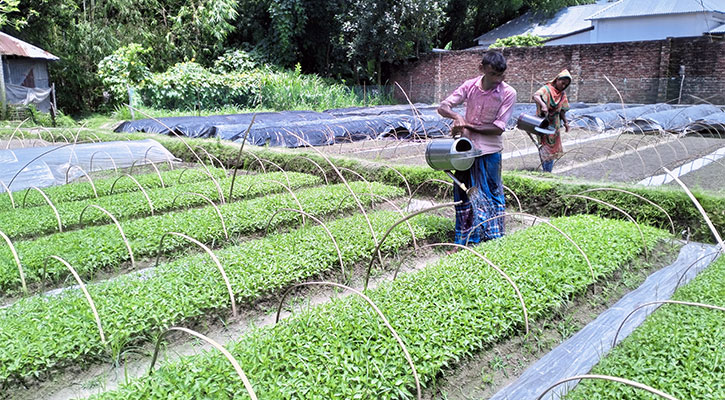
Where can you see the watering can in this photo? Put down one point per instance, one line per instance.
(534, 125)
(451, 154)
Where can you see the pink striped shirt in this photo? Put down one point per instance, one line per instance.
(493, 106)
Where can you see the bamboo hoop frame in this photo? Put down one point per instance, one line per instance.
(604, 189)
(518, 202)
(225, 352)
(88, 296)
(644, 243)
(589, 264)
(207, 173)
(93, 186)
(50, 203)
(118, 225)
(684, 303)
(212, 158)
(17, 129)
(168, 159)
(319, 221)
(387, 200)
(153, 165)
(449, 184)
(377, 247)
(324, 175)
(213, 257)
(677, 285)
(148, 199)
(35, 159)
(17, 261)
(699, 208)
(492, 265)
(10, 194)
(113, 162)
(286, 177)
(291, 192)
(407, 185)
(377, 311)
(218, 212)
(239, 156)
(347, 185)
(613, 379)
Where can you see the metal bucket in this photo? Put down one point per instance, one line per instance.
(451, 154)
(534, 124)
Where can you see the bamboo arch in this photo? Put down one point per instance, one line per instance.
(377, 311)
(225, 352)
(213, 257)
(118, 225)
(609, 378)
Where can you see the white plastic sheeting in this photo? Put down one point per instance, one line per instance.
(581, 352)
(54, 165)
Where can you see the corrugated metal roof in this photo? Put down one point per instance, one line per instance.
(640, 8)
(10, 46)
(719, 30)
(567, 20)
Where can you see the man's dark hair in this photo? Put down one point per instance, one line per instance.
(495, 59)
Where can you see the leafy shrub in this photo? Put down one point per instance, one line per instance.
(124, 68)
(527, 40)
(235, 61)
(189, 85)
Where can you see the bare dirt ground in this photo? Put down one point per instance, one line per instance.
(610, 156)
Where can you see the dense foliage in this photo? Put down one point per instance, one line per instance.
(527, 40)
(345, 40)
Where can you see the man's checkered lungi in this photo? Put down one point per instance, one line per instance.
(485, 174)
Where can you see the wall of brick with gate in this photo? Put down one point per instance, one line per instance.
(636, 72)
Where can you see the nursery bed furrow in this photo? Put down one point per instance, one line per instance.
(443, 313)
(101, 248)
(133, 310)
(28, 222)
(678, 350)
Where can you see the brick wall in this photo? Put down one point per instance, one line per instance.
(642, 72)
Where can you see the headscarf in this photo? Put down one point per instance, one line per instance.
(556, 95)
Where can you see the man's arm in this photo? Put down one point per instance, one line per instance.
(459, 122)
(484, 129)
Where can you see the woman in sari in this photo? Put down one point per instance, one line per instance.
(552, 104)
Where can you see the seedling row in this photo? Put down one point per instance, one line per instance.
(98, 248)
(444, 312)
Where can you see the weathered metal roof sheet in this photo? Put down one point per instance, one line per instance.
(10, 46)
(640, 8)
(717, 31)
(567, 20)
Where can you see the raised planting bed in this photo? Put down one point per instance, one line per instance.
(101, 247)
(28, 222)
(82, 190)
(679, 350)
(543, 193)
(452, 308)
(42, 334)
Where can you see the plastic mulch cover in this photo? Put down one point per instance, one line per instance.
(673, 120)
(712, 122)
(56, 165)
(316, 128)
(619, 117)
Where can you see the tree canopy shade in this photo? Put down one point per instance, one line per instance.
(345, 39)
